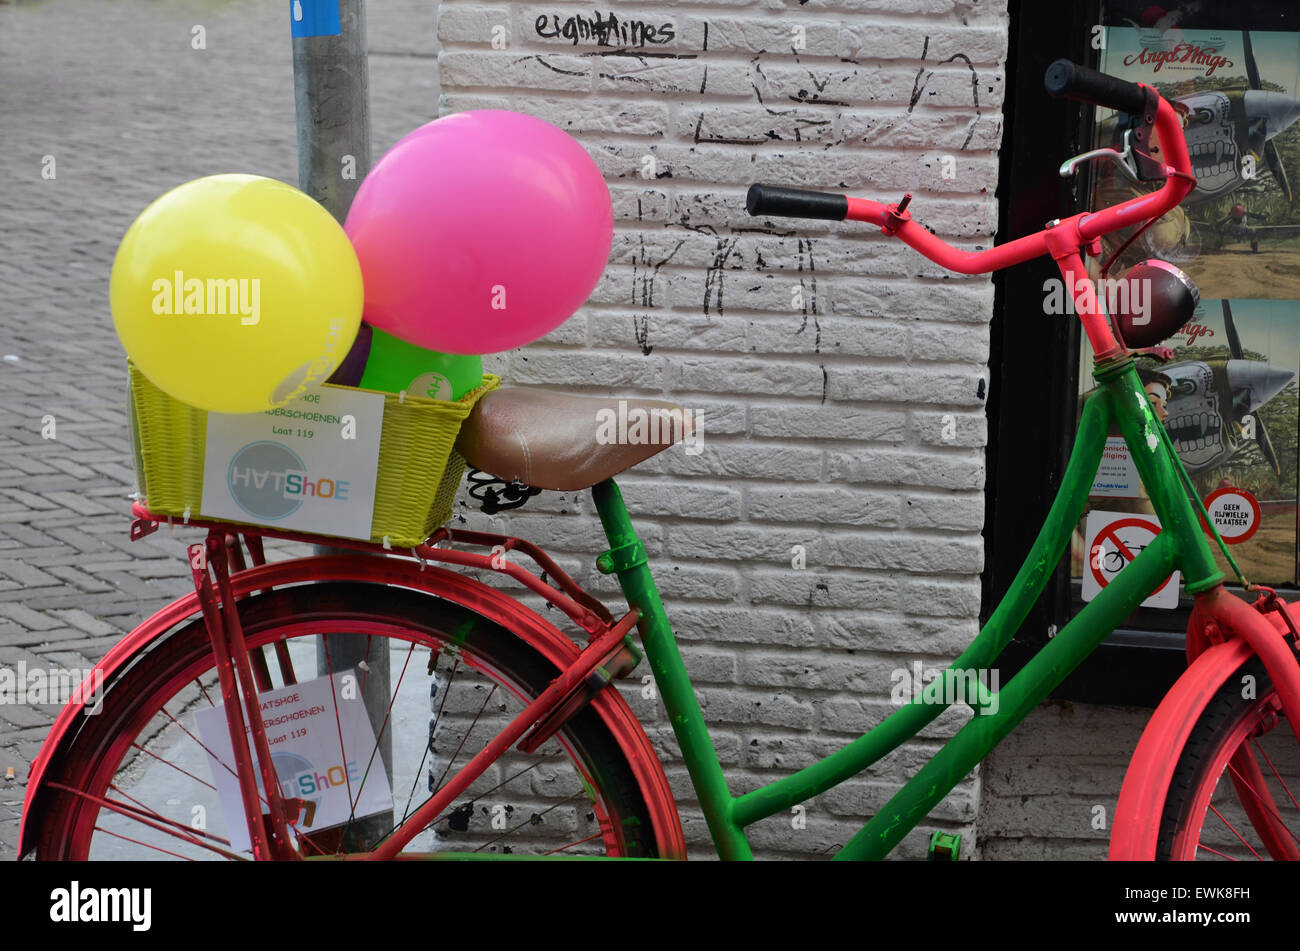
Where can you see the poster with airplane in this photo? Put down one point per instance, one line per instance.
(1230, 400)
(1238, 233)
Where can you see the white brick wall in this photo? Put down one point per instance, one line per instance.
(1050, 789)
(824, 357)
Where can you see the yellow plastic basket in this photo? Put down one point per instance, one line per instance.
(419, 468)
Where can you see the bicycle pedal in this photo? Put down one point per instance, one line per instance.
(944, 847)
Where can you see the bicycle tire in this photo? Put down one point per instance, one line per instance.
(108, 750)
(1206, 815)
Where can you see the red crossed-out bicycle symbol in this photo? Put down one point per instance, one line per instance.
(1120, 542)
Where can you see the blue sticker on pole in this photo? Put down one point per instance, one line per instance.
(315, 17)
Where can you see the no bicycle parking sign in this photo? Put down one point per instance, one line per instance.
(1114, 541)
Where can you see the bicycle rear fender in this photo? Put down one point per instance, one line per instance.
(492, 604)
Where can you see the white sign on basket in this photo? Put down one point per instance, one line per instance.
(299, 466)
(305, 750)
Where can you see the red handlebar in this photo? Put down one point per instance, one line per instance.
(1064, 240)
(1071, 234)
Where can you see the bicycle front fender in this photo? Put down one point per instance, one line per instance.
(480, 598)
(1142, 797)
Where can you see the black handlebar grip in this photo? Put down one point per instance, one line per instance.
(1073, 81)
(795, 203)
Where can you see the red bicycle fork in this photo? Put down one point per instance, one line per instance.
(608, 655)
(235, 673)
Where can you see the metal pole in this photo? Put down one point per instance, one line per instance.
(331, 91)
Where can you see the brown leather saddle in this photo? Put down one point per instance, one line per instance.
(561, 442)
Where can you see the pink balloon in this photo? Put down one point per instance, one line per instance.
(480, 232)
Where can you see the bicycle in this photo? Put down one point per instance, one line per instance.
(579, 772)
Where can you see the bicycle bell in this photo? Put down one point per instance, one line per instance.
(1151, 302)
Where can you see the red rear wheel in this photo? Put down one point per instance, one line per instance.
(135, 781)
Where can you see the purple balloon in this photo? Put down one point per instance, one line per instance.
(353, 366)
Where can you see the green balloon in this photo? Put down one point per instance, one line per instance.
(395, 365)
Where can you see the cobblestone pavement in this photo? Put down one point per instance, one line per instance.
(116, 94)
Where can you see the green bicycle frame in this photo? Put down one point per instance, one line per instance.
(1180, 546)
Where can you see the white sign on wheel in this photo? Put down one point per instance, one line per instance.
(305, 747)
(1114, 541)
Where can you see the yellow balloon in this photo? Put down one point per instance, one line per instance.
(236, 293)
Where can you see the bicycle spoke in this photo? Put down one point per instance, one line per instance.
(388, 712)
(204, 690)
(486, 792)
(451, 762)
(529, 821)
(203, 746)
(304, 838)
(338, 723)
(1234, 831)
(189, 830)
(433, 728)
(147, 845)
(1282, 781)
(261, 795)
(131, 812)
(174, 766)
(594, 835)
(479, 795)
(1265, 802)
(1202, 845)
(512, 778)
